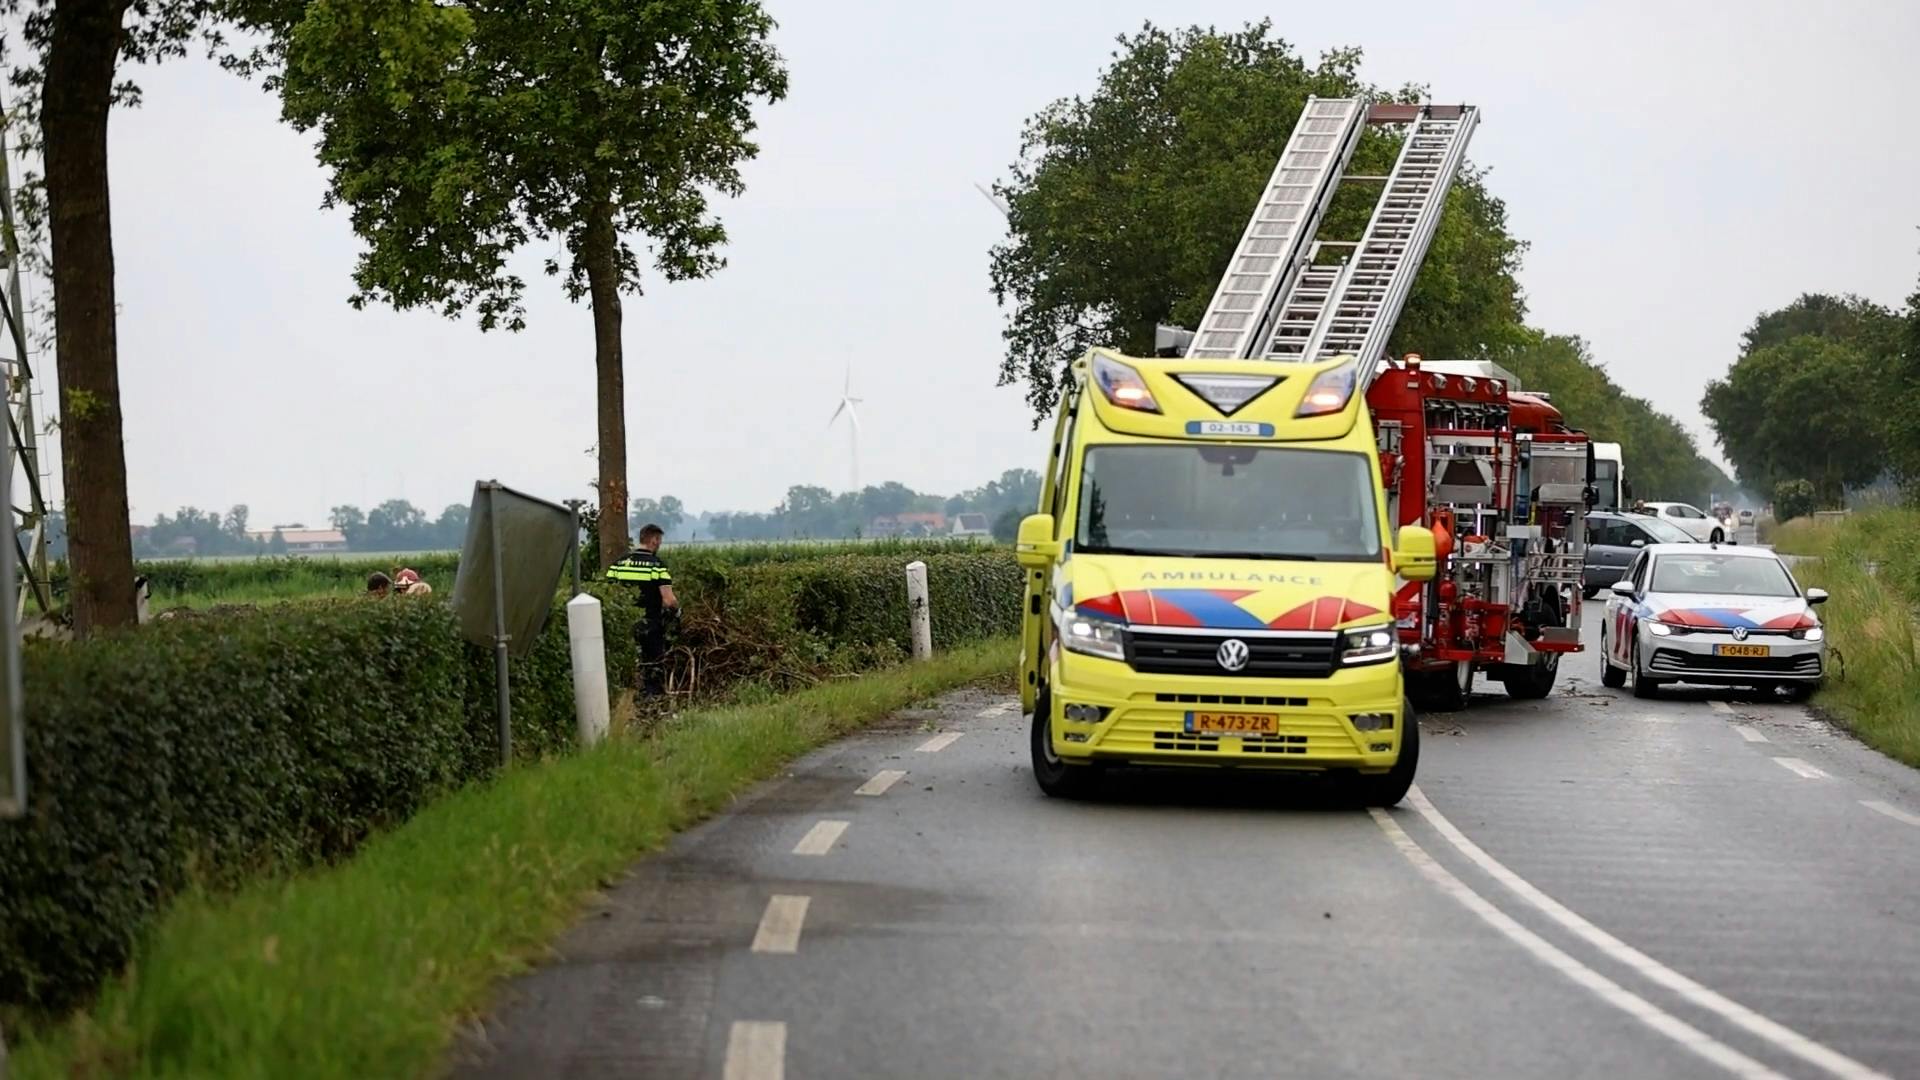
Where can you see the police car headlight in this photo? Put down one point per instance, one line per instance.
(1659, 629)
(1094, 637)
(1368, 644)
(1811, 633)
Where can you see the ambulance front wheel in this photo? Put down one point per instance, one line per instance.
(1388, 788)
(1058, 778)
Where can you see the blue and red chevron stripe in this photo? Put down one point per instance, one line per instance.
(1219, 609)
(1767, 618)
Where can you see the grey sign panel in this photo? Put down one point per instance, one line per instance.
(535, 539)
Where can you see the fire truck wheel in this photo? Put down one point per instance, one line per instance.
(1388, 788)
(1055, 777)
(1530, 682)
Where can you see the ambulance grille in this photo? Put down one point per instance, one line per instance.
(1276, 657)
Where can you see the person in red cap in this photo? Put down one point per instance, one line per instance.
(408, 583)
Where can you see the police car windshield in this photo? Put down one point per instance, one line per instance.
(1726, 575)
(1225, 501)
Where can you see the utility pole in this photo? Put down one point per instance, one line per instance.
(24, 435)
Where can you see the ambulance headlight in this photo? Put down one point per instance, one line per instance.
(1094, 637)
(1331, 390)
(1368, 644)
(1122, 385)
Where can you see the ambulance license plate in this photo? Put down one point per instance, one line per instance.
(1230, 429)
(1742, 650)
(1233, 723)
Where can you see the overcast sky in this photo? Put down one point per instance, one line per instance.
(1676, 167)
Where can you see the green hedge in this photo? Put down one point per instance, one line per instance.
(223, 745)
(215, 748)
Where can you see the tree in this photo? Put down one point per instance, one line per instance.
(70, 74)
(1125, 207)
(236, 522)
(450, 531)
(1803, 409)
(666, 512)
(1006, 527)
(458, 134)
(1866, 411)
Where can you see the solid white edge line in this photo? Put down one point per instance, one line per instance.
(1720, 706)
(821, 838)
(1544, 951)
(1800, 768)
(881, 781)
(780, 925)
(1890, 810)
(756, 1050)
(1750, 734)
(1787, 1039)
(940, 742)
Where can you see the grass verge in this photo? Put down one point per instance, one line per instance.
(364, 968)
(1870, 565)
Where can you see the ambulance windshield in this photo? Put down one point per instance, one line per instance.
(1227, 502)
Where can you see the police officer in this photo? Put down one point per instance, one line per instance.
(642, 568)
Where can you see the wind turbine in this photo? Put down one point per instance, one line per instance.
(847, 403)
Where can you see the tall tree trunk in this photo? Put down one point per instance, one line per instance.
(603, 286)
(81, 55)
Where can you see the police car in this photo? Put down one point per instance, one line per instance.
(1726, 616)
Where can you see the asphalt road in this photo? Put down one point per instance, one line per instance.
(1588, 886)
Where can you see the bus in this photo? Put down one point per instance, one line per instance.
(1609, 477)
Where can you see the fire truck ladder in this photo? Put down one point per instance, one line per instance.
(1277, 240)
(1354, 307)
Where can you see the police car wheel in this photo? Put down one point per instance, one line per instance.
(1611, 677)
(1056, 777)
(1643, 687)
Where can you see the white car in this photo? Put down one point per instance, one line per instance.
(1727, 616)
(1699, 524)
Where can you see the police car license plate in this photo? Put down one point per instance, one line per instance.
(1230, 429)
(1742, 650)
(1233, 723)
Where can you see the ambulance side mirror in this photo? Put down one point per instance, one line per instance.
(1035, 548)
(1413, 554)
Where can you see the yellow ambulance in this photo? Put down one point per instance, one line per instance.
(1210, 577)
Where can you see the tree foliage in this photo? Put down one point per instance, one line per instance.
(1813, 395)
(1124, 206)
(457, 135)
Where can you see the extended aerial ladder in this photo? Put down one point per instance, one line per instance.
(1499, 479)
(1279, 299)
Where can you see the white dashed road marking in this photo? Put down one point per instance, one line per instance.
(780, 927)
(1721, 706)
(756, 1050)
(881, 781)
(1749, 734)
(1606, 989)
(1772, 1031)
(940, 742)
(821, 838)
(1890, 810)
(1801, 768)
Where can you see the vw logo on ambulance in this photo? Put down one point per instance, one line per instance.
(1232, 654)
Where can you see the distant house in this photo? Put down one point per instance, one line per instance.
(972, 524)
(932, 523)
(304, 541)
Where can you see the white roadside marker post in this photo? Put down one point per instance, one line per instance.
(918, 617)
